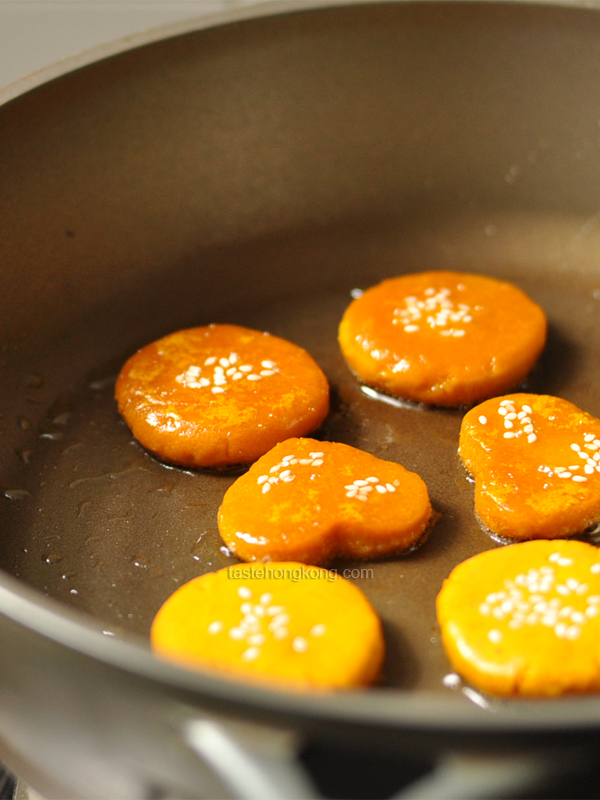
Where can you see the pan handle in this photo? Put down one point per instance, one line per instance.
(254, 762)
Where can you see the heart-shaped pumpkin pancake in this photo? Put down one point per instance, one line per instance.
(310, 501)
(536, 464)
(220, 395)
(442, 338)
(525, 619)
(288, 624)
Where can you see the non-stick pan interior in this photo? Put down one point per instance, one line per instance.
(256, 173)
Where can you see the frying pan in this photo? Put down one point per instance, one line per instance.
(254, 170)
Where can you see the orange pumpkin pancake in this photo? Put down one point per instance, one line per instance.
(286, 624)
(442, 338)
(311, 501)
(220, 395)
(536, 464)
(525, 619)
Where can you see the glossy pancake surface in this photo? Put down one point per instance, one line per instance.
(442, 338)
(310, 501)
(287, 624)
(220, 395)
(536, 463)
(524, 619)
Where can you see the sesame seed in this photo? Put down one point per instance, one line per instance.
(594, 599)
(224, 362)
(238, 375)
(565, 474)
(266, 488)
(483, 420)
(390, 487)
(253, 377)
(591, 612)
(452, 680)
(320, 455)
(217, 390)
(251, 654)
(507, 423)
(595, 568)
(210, 361)
(317, 462)
(579, 478)
(575, 447)
(266, 372)
(507, 403)
(246, 608)
(266, 598)
(502, 410)
(244, 592)
(577, 617)
(267, 364)
(256, 639)
(509, 434)
(381, 489)
(300, 645)
(411, 328)
(494, 636)
(573, 632)
(280, 633)
(215, 627)
(318, 630)
(560, 629)
(532, 438)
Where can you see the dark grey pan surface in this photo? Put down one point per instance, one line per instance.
(256, 174)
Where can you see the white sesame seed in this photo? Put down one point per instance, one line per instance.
(565, 474)
(555, 557)
(273, 479)
(236, 633)
(300, 645)
(594, 599)
(362, 497)
(246, 608)
(591, 612)
(411, 328)
(565, 562)
(381, 489)
(210, 361)
(233, 358)
(217, 390)
(266, 373)
(507, 403)
(502, 410)
(562, 590)
(321, 455)
(266, 488)
(265, 599)
(512, 415)
(274, 610)
(528, 409)
(215, 627)
(267, 364)
(532, 438)
(317, 462)
(237, 376)
(251, 654)
(244, 592)
(483, 420)
(595, 568)
(452, 680)
(573, 467)
(579, 478)
(256, 639)
(588, 469)
(458, 333)
(253, 377)
(509, 434)
(548, 620)
(577, 617)
(245, 368)
(224, 362)
(280, 619)
(573, 632)
(318, 630)
(280, 633)
(262, 479)
(508, 423)
(494, 636)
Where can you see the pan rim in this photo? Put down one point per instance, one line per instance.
(384, 708)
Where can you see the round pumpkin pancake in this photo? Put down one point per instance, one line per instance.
(310, 501)
(536, 464)
(525, 619)
(220, 395)
(286, 624)
(442, 338)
